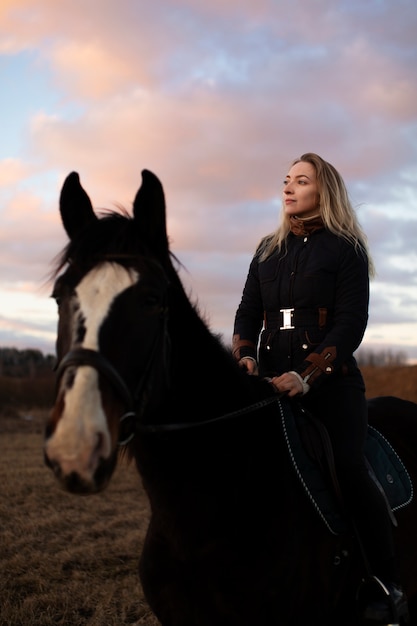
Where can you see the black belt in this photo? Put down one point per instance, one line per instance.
(288, 319)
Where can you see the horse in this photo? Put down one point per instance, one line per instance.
(232, 538)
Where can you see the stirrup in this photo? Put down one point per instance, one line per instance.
(397, 616)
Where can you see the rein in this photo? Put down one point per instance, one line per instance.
(155, 428)
(84, 356)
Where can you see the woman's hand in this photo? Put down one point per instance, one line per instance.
(249, 364)
(290, 383)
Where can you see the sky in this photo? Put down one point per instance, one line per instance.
(216, 97)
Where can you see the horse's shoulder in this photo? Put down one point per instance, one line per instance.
(380, 406)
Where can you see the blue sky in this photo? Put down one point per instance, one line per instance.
(216, 98)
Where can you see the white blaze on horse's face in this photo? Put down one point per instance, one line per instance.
(96, 293)
(81, 437)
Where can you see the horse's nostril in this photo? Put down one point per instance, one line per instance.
(53, 465)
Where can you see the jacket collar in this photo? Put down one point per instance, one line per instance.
(305, 227)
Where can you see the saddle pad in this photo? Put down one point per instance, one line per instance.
(386, 464)
(389, 470)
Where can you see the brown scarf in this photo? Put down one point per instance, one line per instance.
(304, 227)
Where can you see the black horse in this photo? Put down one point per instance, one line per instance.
(233, 539)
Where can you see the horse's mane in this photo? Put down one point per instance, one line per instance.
(112, 234)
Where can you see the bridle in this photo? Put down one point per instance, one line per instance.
(83, 356)
(131, 418)
(135, 402)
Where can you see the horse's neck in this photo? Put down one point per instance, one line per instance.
(204, 373)
(212, 382)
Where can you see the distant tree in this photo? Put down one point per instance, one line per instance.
(382, 358)
(27, 363)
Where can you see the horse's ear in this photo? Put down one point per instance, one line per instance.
(75, 206)
(149, 213)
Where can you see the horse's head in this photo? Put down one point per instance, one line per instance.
(111, 289)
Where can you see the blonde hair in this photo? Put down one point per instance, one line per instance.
(336, 211)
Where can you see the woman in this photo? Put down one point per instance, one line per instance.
(305, 302)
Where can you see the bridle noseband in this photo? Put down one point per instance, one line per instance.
(84, 356)
(134, 402)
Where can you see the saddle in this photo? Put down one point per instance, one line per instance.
(311, 455)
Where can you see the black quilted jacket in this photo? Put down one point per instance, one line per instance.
(326, 283)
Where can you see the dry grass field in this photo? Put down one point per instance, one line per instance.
(398, 381)
(72, 561)
(66, 560)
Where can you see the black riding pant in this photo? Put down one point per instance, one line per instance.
(342, 408)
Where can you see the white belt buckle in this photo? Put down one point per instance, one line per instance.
(286, 319)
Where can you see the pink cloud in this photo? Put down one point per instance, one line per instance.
(12, 170)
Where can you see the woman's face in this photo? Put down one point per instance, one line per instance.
(300, 193)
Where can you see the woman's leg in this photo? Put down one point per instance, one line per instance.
(343, 410)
